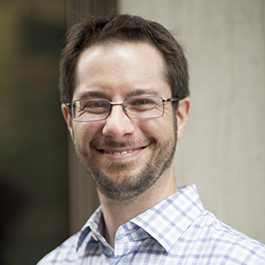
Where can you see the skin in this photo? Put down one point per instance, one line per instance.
(115, 71)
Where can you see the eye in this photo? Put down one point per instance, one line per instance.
(142, 103)
(94, 106)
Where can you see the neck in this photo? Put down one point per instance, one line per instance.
(117, 213)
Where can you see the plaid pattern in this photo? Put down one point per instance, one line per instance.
(176, 231)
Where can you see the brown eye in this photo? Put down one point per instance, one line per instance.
(94, 106)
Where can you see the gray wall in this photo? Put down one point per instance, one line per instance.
(223, 151)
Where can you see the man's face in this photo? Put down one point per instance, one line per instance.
(124, 156)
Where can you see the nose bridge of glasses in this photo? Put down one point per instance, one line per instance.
(113, 104)
(117, 103)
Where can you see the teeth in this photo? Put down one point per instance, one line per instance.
(119, 153)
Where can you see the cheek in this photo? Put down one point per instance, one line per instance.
(161, 128)
(85, 132)
(146, 127)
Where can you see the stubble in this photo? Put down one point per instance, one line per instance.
(128, 186)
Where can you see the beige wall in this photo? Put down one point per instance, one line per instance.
(224, 150)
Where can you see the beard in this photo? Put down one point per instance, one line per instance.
(125, 186)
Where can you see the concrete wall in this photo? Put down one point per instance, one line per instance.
(223, 151)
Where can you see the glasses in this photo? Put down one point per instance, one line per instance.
(139, 107)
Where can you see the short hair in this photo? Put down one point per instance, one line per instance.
(96, 30)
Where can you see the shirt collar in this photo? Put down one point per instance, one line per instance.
(165, 222)
(93, 224)
(168, 220)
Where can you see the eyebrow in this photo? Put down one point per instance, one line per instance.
(140, 92)
(99, 94)
(92, 94)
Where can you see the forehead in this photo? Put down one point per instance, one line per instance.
(120, 67)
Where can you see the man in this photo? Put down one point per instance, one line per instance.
(125, 99)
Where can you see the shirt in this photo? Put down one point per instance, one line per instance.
(176, 231)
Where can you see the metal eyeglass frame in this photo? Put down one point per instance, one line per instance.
(70, 105)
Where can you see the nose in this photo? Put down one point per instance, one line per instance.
(118, 125)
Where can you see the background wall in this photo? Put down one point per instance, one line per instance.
(223, 151)
(34, 211)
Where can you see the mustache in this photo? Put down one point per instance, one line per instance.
(110, 143)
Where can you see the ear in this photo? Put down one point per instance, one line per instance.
(182, 116)
(67, 118)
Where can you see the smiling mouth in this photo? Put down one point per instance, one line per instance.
(121, 152)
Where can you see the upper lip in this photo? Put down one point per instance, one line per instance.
(120, 150)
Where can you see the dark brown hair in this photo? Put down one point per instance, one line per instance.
(97, 30)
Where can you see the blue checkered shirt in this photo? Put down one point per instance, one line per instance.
(176, 231)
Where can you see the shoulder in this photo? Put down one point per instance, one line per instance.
(226, 242)
(63, 254)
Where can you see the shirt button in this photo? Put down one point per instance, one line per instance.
(95, 237)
